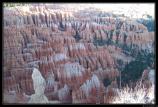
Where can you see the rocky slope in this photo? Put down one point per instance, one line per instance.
(74, 51)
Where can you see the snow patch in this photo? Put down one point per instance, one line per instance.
(73, 69)
(60, 57)
(151, 76)
(77, 46)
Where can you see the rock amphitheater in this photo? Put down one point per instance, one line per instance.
(49, 54)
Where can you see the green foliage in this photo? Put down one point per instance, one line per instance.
(120, 64)
(101, 42)
(149, 23)
(77, 36)
(133, 71)
(106, 82)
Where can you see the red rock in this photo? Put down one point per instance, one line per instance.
(36, 40)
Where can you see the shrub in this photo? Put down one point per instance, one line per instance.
(136, 95)
(133, 70)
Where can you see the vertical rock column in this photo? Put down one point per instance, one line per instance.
(39, 87)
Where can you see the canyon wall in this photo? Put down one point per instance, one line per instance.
(62, 45)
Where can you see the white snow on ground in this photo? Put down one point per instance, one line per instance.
(122, 57)
(151, 76)
(133, 10)
(73, 69)
(77, 46)
(60, 57)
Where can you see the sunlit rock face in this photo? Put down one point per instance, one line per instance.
(39, 87)
(54, 53)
